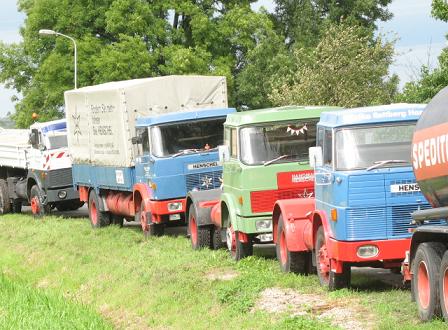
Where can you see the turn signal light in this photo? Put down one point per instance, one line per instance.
(152, 185)
(334, 214)
(240, 200)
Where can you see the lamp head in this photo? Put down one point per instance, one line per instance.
(46, 32)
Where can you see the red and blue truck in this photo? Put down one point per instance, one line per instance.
(365, 192)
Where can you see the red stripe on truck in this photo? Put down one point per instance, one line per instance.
(430, 152)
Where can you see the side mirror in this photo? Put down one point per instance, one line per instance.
(136, 140)
(34, 139)
(315, 154)
(224, 153)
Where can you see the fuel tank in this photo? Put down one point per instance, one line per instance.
(430, 150)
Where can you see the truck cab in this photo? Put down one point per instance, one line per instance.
(36, 167)
(178, 153)
(265, 158)
(365, 192)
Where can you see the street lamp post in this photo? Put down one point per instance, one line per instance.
(45, 32)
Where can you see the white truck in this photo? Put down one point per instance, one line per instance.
(35, 169)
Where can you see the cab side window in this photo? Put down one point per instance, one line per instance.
(328, 147)
(233, 143)
(325, 141)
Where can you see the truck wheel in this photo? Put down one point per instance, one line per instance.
(425, 269)
(327, 278)
(295, 262)
(237, 249)
(5, 205)
(37, 208)
(97, 218)
(200, 237)
(149, 229)
(17, 206)
(117, 220)
(443, 286)
(217, 242)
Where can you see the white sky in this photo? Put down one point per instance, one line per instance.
(420, 37)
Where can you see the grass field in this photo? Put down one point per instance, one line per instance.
(60, 274)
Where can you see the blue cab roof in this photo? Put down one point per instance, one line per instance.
(372, 115)
(182, 116)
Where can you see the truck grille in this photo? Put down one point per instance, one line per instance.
(60, 178)
(263, 201)
(401, 218)
(366, 223)
(203, 181)
(382, 223)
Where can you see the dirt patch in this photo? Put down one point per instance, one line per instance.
(346, 314)
(221, 275)
(124, 319)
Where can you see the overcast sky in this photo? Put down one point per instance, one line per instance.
(420, 37)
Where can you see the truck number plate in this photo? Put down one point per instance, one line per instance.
(404, 188)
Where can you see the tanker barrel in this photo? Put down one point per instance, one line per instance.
(430, 150)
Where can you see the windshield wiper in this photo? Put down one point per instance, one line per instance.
(384, 162)
(184, 152)
(275, 160)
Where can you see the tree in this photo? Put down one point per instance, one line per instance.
(304, 21)
(126, 39)
(345, 69)
(430, 82)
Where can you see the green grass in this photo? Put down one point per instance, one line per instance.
(59, 271)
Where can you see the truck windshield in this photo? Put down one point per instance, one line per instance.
(175, 138)
(277, 142)
(362, 147)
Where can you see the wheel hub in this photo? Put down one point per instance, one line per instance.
(324, 261)
(423, 285)
(230, 238)
(35, 205)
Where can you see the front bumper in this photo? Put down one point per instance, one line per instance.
(387, 250)
(249, 225)
(52, 195)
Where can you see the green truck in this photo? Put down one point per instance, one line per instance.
(264, 159)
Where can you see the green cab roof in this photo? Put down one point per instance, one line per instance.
(294, 112)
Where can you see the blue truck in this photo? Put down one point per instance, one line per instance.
(139, 146)
(365, 192)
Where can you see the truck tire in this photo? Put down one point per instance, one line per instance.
(443, 286)
(97, 218)
(117, 220)
(295, 262)
(327, 278)
(425, 270)
(5, 205)
(200, 237)
(217, 242)
(37, 207)
(17, 206)
(238, 250)
(149, 228)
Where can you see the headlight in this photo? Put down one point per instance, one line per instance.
(62, 194)
(172, 207)
(263, 225)
(367, 251)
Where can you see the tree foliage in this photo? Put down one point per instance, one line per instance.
(304, 21)
(430, 82)
(127, 39)
(345, 69)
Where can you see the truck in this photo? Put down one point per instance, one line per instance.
(427, 258)
(35, 169)
(140, 145)
(365, 192)
(264, 159)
